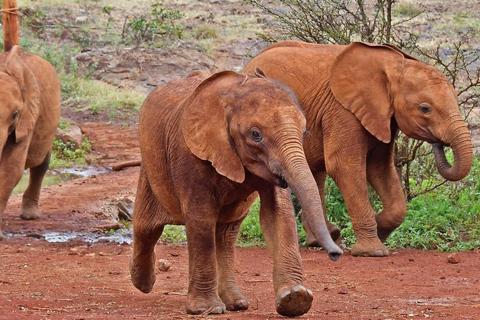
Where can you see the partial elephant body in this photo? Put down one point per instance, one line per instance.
(208, 145)
(29, 113)
(355, 99)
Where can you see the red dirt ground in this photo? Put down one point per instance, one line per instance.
(79, 280)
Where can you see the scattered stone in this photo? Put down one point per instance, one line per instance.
(343, 291)
(453, 258)
(72, 134)
(81, 19)
(163, 265)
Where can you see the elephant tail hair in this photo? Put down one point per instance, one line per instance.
(10, 24)
(122, 165)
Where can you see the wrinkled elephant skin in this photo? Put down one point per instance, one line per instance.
(29, 116)
(210, 145)
(355, 99)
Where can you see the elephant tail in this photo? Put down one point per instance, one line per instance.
(122, 165)
(10, 24)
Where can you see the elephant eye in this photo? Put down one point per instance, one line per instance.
(14, 116)
(425, 109)
(256, 136)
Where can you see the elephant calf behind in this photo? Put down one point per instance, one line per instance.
(29, 116)
(208, 145)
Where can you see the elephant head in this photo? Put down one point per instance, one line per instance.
(20, 98)
(260, 129)
(376, 82)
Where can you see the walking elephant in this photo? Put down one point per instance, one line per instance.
(29, 116)
(208, 145)
(355, 99)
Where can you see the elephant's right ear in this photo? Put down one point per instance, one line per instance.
(363, 78)
(205, 128)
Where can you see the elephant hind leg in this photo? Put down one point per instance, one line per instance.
(384, 179)
(146, 232)
(30, 209)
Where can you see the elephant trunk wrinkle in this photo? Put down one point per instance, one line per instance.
(462, 151)
(300, 179)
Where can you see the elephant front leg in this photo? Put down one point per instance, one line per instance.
(383, 177)
(12, 165)
(280, 231)
(30, 209)
(203, 283)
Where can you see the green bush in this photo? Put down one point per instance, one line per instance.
(64, 154)
(162, 23)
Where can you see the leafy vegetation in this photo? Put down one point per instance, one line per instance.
(64, 154)
(161, 22)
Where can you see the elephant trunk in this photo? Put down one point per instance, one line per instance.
(461, 145)
(302, 183)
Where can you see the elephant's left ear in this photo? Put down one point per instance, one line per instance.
(363, 79)
(27, 82)
(205, 127)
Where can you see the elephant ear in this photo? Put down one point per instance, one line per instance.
(363, 79)
(205, 127)
(27, 82)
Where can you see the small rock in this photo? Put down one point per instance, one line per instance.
(81, 19)
(453, 258)
(164, 265)
(71, 134)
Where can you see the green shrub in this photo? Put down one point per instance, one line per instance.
(162, 23)
(66, 155)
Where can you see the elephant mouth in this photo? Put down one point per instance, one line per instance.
(281, 182)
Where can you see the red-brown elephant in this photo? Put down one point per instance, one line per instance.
(208, 145)
(355, 99)
(29, 116)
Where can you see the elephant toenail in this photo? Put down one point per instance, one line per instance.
(285, 294)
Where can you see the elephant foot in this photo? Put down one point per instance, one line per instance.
(334, 233)
(373, 248)
(143, 275)
(234, 300)
(204, 305)
(294, 302)
(30, 213)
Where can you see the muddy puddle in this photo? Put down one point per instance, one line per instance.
(119, 236)
(56, 176)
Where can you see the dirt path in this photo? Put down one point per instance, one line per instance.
(40, 280)
(80, 280)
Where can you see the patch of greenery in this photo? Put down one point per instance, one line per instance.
(445, 219)
(64, 154)
(161, 23)
(174, 234)
(250, 231)
(404, 8)
(466, 20)
(204, 31)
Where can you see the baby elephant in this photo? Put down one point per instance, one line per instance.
(208, 145)
(29, 116)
